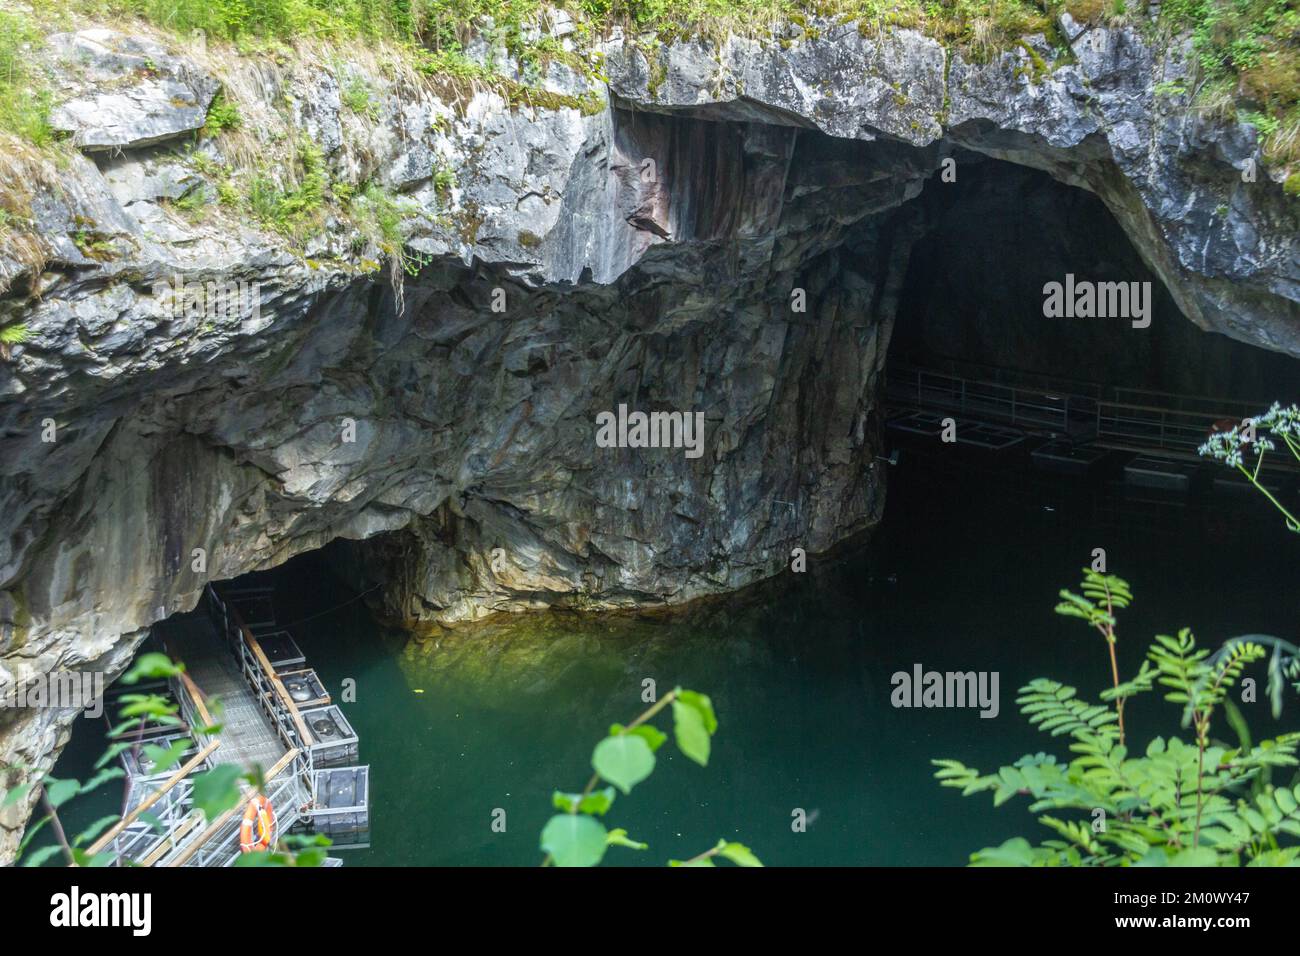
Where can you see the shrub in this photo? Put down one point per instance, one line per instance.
(1174, 802)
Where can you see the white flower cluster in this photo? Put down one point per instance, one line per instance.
(1283, 422)
(1230, 447)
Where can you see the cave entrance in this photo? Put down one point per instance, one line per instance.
(984, 360)
(266, 673)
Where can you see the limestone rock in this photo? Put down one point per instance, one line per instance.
(121, 92)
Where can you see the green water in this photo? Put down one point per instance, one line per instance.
(962, 575)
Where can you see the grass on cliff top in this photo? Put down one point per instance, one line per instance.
(24, 98)
(1247, 51)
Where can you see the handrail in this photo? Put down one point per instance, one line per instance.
(172, 781)
(197, 696)
(1019, 404)
(281, 691)
(188, 823)
(304, 735)
(1209, 416)
(964, 368)
(222, 820)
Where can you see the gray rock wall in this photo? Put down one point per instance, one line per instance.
(665, 287)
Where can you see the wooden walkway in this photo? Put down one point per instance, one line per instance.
(247, 737)
(310, 778)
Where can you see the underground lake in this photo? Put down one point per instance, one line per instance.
(962, 575)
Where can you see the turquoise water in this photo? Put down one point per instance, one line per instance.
(963, 575)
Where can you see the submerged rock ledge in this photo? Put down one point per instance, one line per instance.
(565, 259)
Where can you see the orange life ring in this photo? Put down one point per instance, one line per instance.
(258, 826)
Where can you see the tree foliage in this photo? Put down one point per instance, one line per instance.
(1194, 801)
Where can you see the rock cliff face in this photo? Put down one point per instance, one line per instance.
(717, 229)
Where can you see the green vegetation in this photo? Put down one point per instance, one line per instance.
(444, 179)
(1248, 52)
(378, 216)
(223, 114)
(215, 791)
(24, 98)
(1199, 802)
(356, 96)
(574, 837)
(11, 335)
(14, 334)
(92, 244)
(290, 210)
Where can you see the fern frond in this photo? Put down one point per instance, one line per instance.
(1053, 707)
(14, 334)
(1104, 588)
(954, 773)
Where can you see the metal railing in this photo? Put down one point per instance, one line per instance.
(133, 839)
(183, 840)
(262, 678)
(218, 843)
(1124, 418)
(1034, 409)
(1144, 427)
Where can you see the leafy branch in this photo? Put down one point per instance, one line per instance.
(1102, 594)
(1197, 803)
(626, 757)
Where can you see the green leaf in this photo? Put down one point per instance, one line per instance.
(705, 861)
(597, 802)
(112, 751)
(112, 773)
(30, 835)
(151, 666)
(624, 761)
(574, 840)
(59, 792)
(739, 854)
(1013, 852)
(41, 855)
(148, 706)
(701, 703)
(103, 858)
(619, 837)
(691, 733)
(17, 793)
(164, 758)
(95, 829)
(314, 857)
(217, 791)
(652, 735)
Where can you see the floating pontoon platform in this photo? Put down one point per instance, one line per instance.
(276, 719)
(1145, 471)
(1064, 456)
